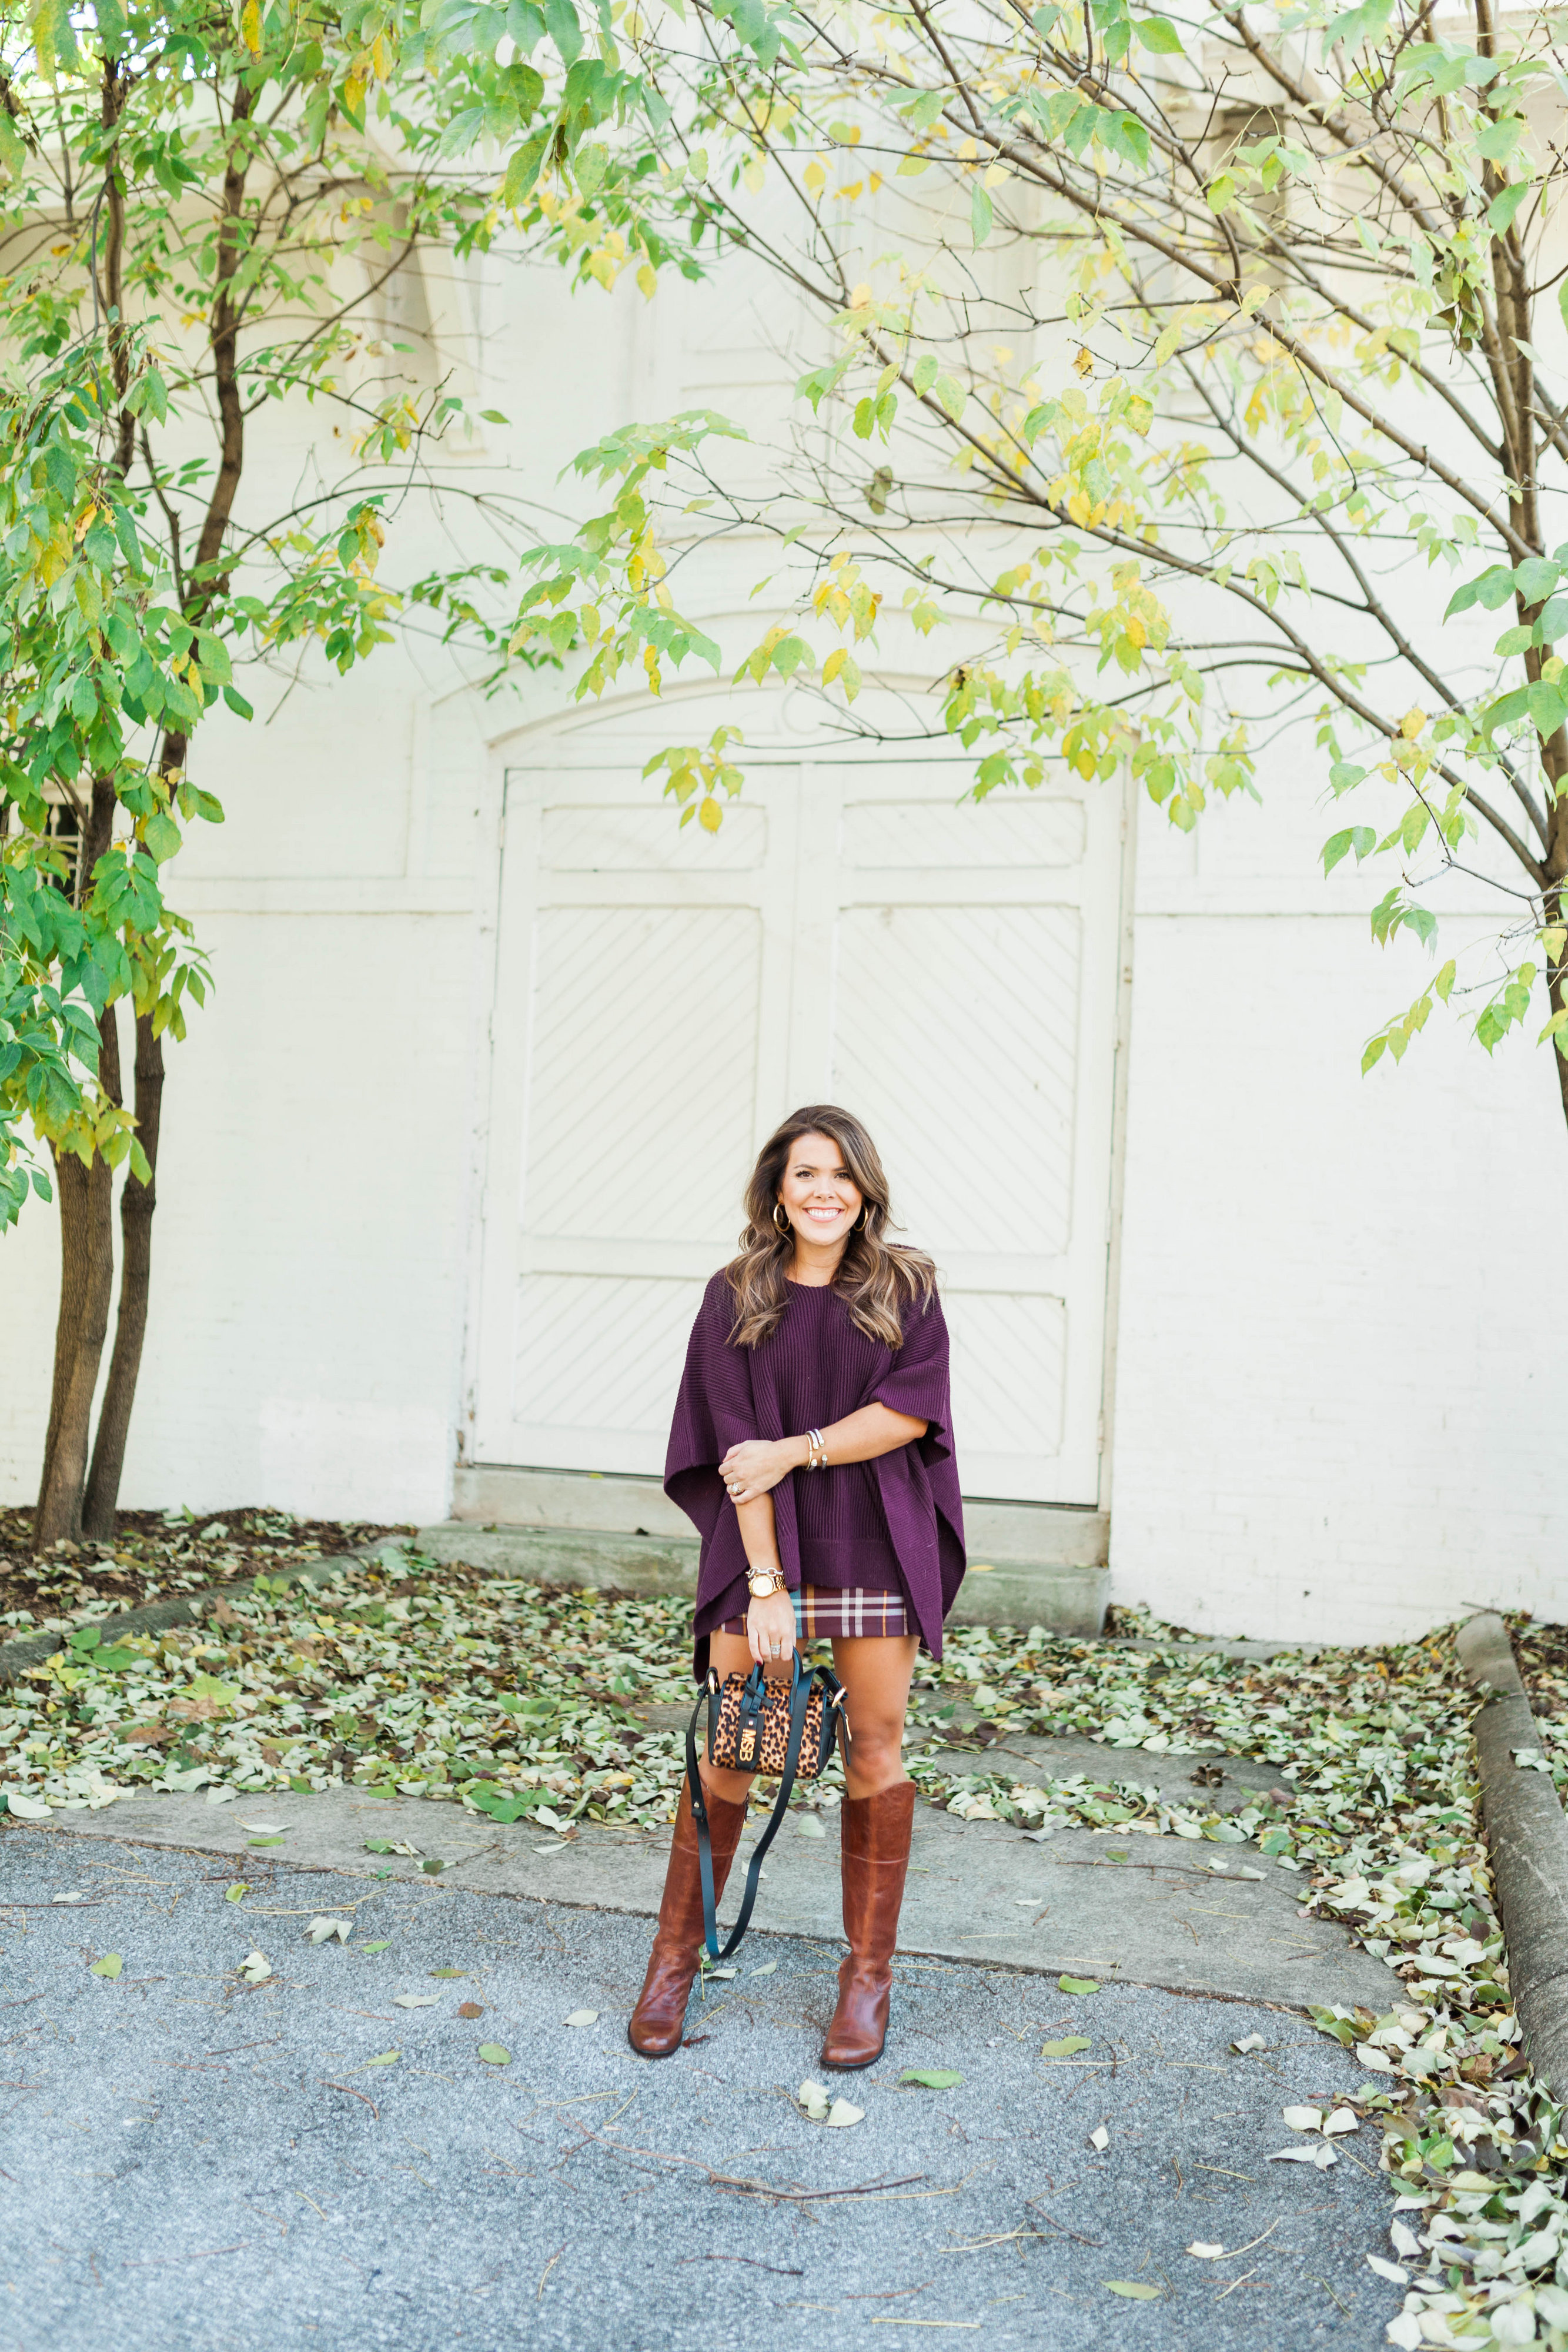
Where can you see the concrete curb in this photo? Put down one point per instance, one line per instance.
(158, 1615)
(1528, 1840)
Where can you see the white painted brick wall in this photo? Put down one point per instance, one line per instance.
(1339, 1371)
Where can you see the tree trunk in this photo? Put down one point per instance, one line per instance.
(136, 1207)
(87, 1256)
(86, 1280)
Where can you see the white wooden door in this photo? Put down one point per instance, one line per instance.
(945, 972)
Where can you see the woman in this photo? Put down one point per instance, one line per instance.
(812, 1445)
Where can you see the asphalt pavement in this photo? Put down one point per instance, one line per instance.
(190, 2160)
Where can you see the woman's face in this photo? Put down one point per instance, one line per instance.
(821, 1197)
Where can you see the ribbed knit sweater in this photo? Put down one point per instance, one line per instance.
(894, 1525)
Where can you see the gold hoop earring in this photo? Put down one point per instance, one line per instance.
(777, 1227)
(862, 1220)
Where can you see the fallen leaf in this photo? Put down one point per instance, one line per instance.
(1322, 2156)
(717, 1976)
(1344, 2119)
(79, 1896)
(386, 2058)
(1248, 2041)
(1067, 2047)
(323, 1930)
(26, 1809)
(494, 2055)
(238, 1892)
(255, 1968)
(266, 1840)
(766, 1970)
(936, 2080)
(109, 1965)
(581, 2017)
(384, 1946)
(1304, 2118)
(267, 1829)
(1405, 2241)
(432, 1869)
(1100, 2138)
(1132, 2287)
(808, 1825)
(840, 2115)
(415, 1999)
(448, 1972)
(814, 2099)
(1379, 2061)
(470, 2009)
(379, 1846)
(1389, 2271)
(1083, 1984)
(1205, 2254)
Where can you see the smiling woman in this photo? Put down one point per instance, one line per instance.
(812, 1446)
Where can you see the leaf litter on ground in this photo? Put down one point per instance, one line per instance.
(523, 1703)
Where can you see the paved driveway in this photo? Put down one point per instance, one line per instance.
(194, 2162)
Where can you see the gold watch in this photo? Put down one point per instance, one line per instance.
(762, 1581)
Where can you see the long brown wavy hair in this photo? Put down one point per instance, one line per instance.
(874, 1276)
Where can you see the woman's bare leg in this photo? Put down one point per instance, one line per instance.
(877, 1673)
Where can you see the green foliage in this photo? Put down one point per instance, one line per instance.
(1218, 330)
(212, 206)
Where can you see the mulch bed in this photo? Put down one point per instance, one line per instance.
(157, 1553)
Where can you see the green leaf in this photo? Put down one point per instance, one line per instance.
(936, 2079)
(387, 2058)
(952, 395)
(238, 1892)
(1359, 837)
(924, 374)
(981, 212)
(447, 1972)
(1134, 2291)
(109, 1965)
(383, 1946)
(1504, 204)
(1076, 1984)
(162, 836)
(494, 2055)
(1159, 34)
(1068, 2047)
(264, 1841)
(377, 1845)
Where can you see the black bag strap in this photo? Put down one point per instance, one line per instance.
(800, 1699)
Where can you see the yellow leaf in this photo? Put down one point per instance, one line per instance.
(1410, 726)
(710, 816)
(834, 663)
(250, 26)
(648, 280)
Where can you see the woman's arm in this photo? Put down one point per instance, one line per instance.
(752, 1470)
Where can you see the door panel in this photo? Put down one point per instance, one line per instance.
(947, 971)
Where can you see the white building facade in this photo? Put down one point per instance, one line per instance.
(449, 1155)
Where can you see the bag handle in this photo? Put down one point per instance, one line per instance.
(800, 1699)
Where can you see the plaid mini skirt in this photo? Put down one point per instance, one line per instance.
(823, 1613)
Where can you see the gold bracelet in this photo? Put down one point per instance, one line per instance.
(816, 1450)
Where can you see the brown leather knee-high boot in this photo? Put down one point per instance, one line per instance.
(654, 2031)
(875, 1858)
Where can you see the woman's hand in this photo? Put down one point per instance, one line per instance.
(771, 1628)
(756, 1466)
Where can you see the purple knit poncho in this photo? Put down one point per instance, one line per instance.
(895, 1524)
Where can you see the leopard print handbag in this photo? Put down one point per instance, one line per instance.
(759, 1723)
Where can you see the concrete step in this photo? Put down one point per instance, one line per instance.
(1062, 1597)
